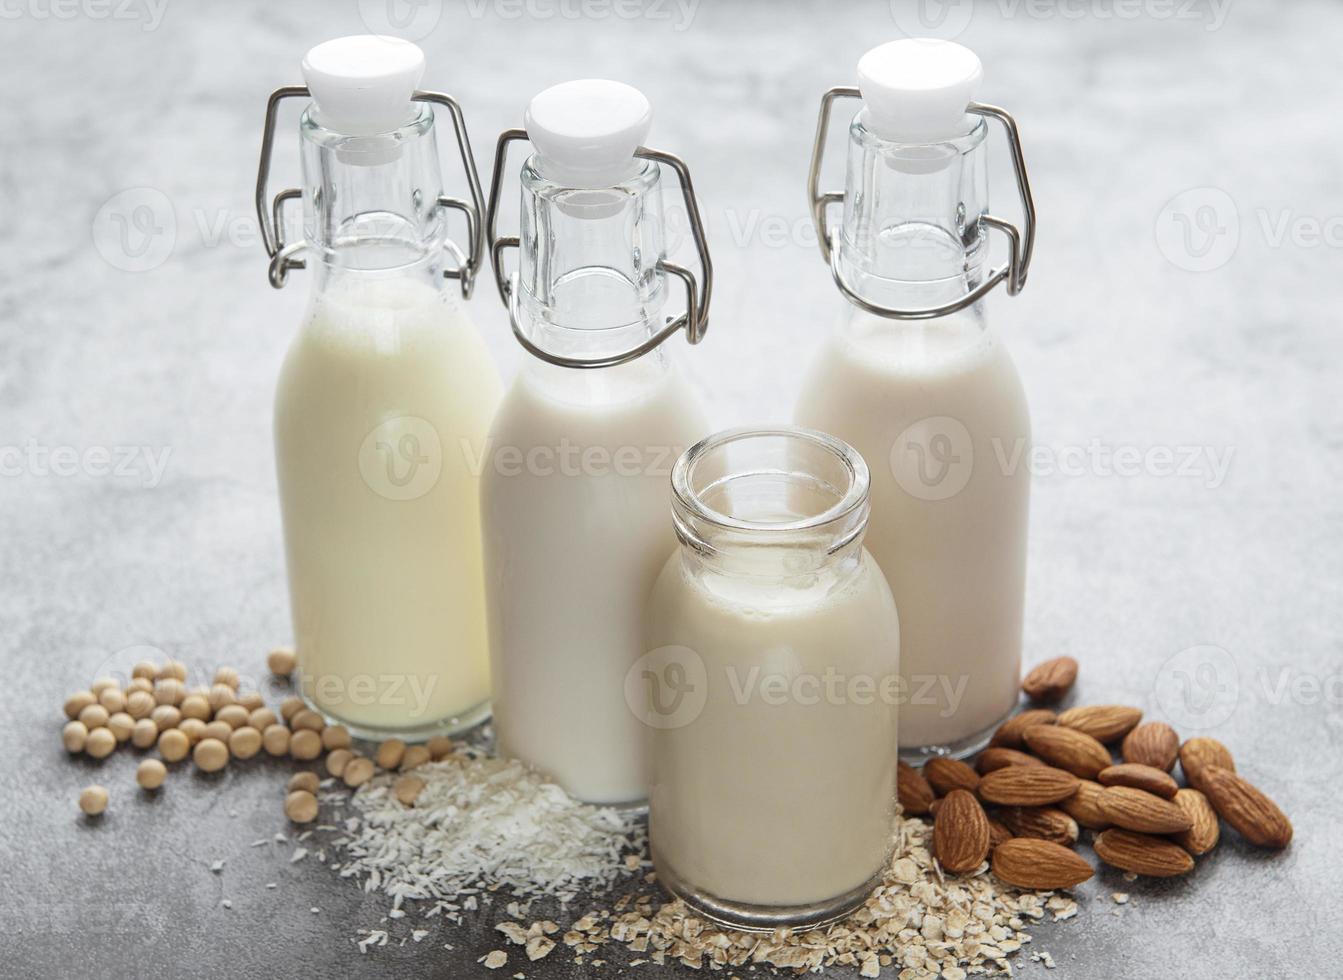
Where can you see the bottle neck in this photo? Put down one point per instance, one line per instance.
(371, 203)
(782, 506)
(912, 235)
(588, 279)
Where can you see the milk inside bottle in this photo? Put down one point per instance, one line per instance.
(382, 407)
(771, 684)
(576, 488)
(918, 381)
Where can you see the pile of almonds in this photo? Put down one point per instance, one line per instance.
(217, 724)
(1045, 775)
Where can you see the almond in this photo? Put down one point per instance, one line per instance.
(1150, 778)
(914, 792)
(1067, 749)
(1039, 865)
(1199, 752)
(998, 832)
(1044, 822)
(1136, 809)
(1027, 785)
(998, 757)
(1253, 814)
(1084, 806)
(1009, 732)
(961, 832)
(945, 774)
(1051, 680)
(1103, 722)
(1142, 854)
(1203, 836)
(1153, 744)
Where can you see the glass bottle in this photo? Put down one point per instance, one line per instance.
(771, 684)
(382, 405)
(575, 493)
(923, 386)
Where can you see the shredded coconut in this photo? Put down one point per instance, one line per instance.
(481, 823)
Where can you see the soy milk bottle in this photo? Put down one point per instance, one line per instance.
(576, 487)
(383, 402)
(919, 382)
(770, 684)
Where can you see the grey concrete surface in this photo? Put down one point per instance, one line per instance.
(1209, 597)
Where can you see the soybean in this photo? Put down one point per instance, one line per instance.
(335, 737)
(100, 743)
(93, 800)
(300, 806)
(390, 752)
(305, 745)
(307, 719)
(74, 735)
(275, 739)
(94, 716)
(120, 725)
(151, 773)
(306, 780)
(195, 706)
(416, 755)
(290, 706)
(77, 702)
(210, 755)
(145, 733)
(140, 704)
(357, 772)
(166, 716)
(244, 742)
(337, 760)
(233, 715)
(281, 662)
(220, 695)
(173, 745)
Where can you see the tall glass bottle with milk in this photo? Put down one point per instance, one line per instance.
(383, 402)
(577, 484)
(920, 383)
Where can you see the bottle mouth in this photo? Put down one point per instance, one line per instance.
(788, 485)
(371, 202)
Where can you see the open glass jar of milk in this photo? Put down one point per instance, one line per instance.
(383, 402)
(916, 379)
(576, 488)
(771, 684)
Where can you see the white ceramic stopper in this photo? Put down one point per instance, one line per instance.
(362, 85)
(917, 89)
(586, 131)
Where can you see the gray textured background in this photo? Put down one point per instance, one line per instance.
(1119, 343)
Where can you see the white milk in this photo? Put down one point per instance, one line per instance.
(781, 792)
(950, 534)
(576, 499)
(381, 413)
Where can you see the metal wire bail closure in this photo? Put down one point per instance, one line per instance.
(694, 321)
(270, 214)
(1021, 242)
